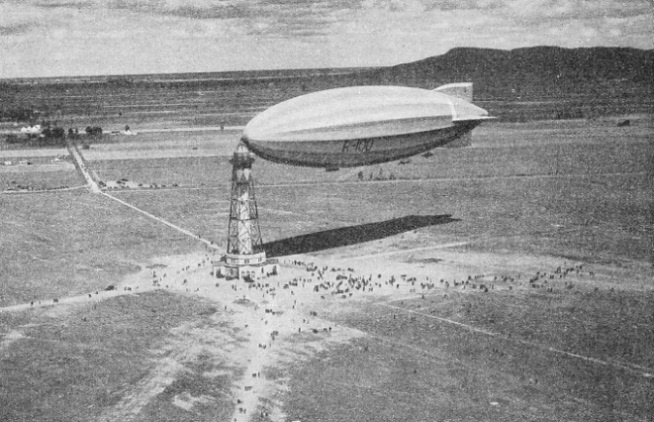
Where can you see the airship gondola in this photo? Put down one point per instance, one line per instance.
(362, 125)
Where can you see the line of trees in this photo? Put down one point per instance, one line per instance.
(51, 136)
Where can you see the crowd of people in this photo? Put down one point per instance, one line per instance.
(277, 307)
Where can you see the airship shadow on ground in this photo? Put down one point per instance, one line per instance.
(352, 235)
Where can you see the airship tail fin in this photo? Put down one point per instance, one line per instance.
(461, 90)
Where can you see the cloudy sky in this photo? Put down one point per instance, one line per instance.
(99, 37)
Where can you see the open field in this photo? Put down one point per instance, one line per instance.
(434, 372)
(575, 147)
(405, 353)
(55, 176)
(172, 342)
(84, 358)
(548, 187)
(491, 216)
(48, 168)
(561, 348)
(65, 243)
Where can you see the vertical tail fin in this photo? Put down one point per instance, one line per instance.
(461, 90)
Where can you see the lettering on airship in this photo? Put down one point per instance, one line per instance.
(360, 145)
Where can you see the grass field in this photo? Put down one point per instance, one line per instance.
(76, 364)
(573, 147)
(575, 191)
(577, 188)
(65, 243)
(465, 371)
(40, 180)
(506, 354)
(596, 218)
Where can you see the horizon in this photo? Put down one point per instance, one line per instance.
(70, 38)
(344, 69)
(127, 75)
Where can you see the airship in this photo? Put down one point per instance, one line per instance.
(362, 125)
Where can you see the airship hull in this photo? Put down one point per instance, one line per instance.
(357, 126)
(356, 152)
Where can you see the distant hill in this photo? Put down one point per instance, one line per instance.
(530, 72)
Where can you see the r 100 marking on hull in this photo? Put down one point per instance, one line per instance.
(360, 145)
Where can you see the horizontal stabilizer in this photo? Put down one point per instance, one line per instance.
(461, 90)
(473, 118)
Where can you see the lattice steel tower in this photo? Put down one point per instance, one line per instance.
(244, 236)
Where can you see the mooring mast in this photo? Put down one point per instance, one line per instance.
(245, 256)
(244, 235)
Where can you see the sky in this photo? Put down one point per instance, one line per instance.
(40, 38)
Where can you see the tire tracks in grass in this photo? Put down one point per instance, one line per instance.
(81, 165)
(629, 367)
(162, 221)
(91, 181)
